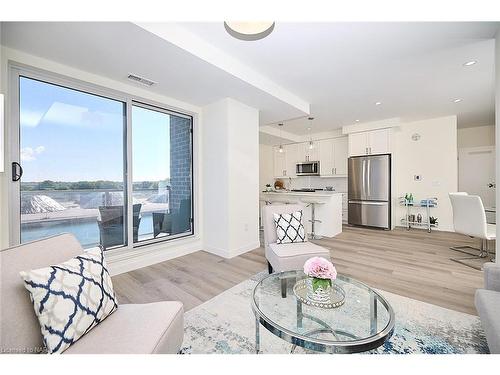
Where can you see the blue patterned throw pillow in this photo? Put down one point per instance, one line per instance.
(289, 228)
(71, 298)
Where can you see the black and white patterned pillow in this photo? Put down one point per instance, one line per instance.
(71, 298)
(289, 228)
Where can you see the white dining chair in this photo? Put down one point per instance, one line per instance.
(469, 218)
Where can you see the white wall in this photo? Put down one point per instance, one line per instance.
(124, 259)
(434, 157)
(231, 178)
(266, 167)
(476, 136)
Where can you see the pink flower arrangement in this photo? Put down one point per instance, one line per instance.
(320, 268)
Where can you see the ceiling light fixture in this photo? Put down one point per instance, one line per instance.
(457, 100)
(249, 31)
(378, 103)
(311, 143)
(469, 63)
(357, 120)
(281, 145)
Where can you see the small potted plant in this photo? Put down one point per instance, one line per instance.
(321, 273)
(268, 187)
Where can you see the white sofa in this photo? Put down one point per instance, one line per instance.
(131, 329)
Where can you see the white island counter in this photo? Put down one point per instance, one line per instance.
(328, 209)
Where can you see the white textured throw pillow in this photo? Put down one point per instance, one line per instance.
(71, 298)
(289, 228)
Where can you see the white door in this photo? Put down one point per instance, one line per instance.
(358, 144)
(340, 155)
(476, 173)
(379, 141)
(279, 162)
(326, 157)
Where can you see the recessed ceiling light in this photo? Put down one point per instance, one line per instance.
(470, 63)
(457, 100)
(378, 103)
(357, 120)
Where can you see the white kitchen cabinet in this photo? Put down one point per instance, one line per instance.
(333, 157)
(291, 156)
(326, 157)
(305, 153)
(379, 141)
(284, 162)
(344, 209)
(370, 142)
(340, 156)
(358, 144)
(279, 162)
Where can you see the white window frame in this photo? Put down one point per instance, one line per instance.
(17, 70)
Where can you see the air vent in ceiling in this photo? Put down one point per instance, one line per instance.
(139, 79)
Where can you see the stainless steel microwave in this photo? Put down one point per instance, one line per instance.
(310, 168)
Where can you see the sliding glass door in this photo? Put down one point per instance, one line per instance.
(161, 144)
(70, 173)
(71, 153)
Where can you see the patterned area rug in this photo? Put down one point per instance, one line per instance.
(226, 325)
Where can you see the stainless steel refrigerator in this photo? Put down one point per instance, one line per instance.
(369, 191)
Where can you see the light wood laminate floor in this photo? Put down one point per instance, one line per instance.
(412, 263)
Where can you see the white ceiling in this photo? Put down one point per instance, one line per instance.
(341, 69)
(115, 49)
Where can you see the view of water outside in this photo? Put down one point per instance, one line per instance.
(50, 212)
(72, 152)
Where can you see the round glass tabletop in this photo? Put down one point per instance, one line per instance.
(363, 322)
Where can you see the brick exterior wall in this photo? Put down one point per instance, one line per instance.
(180, 161)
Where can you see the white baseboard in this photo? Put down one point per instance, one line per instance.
(231, 253)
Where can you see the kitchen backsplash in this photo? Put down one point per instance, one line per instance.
(338, 183)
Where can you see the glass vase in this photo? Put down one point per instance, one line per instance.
(318, 290)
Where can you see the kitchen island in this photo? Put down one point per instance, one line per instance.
(328, 209)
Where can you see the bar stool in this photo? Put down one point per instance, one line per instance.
(312, 203)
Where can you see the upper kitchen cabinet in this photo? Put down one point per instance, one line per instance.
(370, 142)
(333, 157)
(379, 141)
(291, 156)
(279, 162)
(340, 149)
(306, 153)
(285, 162)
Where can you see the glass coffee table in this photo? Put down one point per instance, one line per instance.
(364, 322)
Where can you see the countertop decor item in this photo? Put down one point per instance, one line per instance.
(269, 187)
(278, 185)
(335, 299)
(321, 274)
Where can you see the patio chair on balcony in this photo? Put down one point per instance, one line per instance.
(111, 228)
(173, 223)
